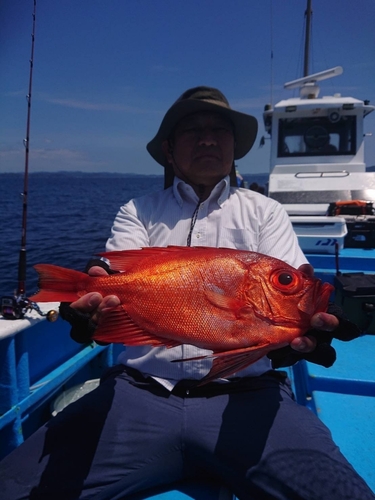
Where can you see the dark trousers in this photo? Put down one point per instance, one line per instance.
(131, 434)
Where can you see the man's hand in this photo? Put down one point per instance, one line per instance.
(93, 303)
(88, 311)
(320, 321)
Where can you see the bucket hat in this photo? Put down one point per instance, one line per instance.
(205, 99)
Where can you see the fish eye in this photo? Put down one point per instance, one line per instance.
(284, 280)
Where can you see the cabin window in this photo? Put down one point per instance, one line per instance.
(318, 136)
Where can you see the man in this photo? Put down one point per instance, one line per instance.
(148, 424)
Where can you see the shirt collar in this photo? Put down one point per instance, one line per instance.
(183, 192)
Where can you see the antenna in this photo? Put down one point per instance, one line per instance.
(316, 77)
(271, 62)
(308, 15)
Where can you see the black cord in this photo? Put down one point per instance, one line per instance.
(194, 217)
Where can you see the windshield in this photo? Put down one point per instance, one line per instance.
(333, 135)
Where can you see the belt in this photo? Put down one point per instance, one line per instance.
(188, 388)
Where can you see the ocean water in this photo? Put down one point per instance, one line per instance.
(69, 218)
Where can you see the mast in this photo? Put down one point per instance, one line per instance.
(22, 256)
(308, 15)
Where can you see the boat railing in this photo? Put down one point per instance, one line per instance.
(37, 360)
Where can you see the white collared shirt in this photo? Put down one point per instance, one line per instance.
(232, 218)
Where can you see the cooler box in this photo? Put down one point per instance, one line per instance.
(319, 234)
(361, 232)
(359, 216)
(355, 293)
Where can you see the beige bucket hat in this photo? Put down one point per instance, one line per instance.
(205, 99)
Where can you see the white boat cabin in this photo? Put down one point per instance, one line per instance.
(317, 148)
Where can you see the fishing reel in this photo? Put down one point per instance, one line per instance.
(16, 306)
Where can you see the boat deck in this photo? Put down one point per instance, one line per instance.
(343, 397)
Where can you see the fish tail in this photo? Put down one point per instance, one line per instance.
(57, 284)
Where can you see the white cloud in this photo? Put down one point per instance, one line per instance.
(92, 106)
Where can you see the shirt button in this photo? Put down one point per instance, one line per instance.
(198, 235)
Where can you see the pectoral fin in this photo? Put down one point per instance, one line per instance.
(230, 306)
(225, 363)
(120, 328)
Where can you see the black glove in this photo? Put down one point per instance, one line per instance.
(324, 354)
(82, 327)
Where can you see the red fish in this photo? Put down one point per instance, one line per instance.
(239, 304)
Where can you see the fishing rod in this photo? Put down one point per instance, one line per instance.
(15, 307)
(22, 257)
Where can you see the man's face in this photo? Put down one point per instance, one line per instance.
(202, 148)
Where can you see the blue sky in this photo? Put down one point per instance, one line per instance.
(105, 71)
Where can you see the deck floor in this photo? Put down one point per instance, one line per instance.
(351, 418)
